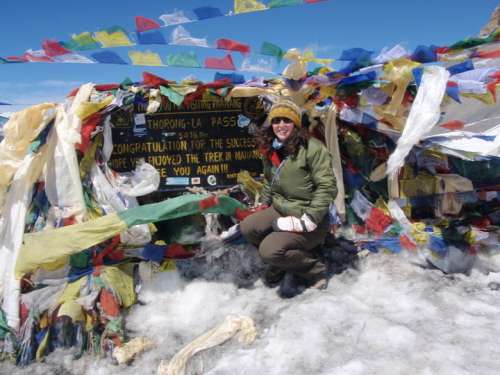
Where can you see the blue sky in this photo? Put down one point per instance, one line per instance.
(327, 28)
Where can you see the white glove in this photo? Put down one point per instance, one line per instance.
(293, 224)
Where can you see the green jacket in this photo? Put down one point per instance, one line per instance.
(304, 184)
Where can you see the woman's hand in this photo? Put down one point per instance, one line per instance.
(293, 224)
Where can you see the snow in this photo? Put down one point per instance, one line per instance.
(391, 315)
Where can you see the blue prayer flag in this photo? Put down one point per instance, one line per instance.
(233, 77)
(151, 37)
(424, 54)
(460, 68)
(108, 57)
(203, 13)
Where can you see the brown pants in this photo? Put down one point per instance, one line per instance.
(291, 252)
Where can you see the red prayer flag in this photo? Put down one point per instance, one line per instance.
(177, 251)
(232, 45)
(442, 50)
(225, 63)
(145, 24)
(378, 221)
(88, 127)
(34, 58)
(107, 87)
(17, 58)
(209, 202)
(407, 243)
(453, 125)
(488, 54)
(492, 88)
(54, 48)
(153, 80)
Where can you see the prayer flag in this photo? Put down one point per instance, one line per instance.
(53, 48)
(355, 54)
(81, 42)
(232, 45)
(452, 91)
(188, 60)
(152, 80)
(460, 68)
(74, 58)
(272, 50)
(425, 54)
(181, 37)
(174, 18)
(255, 63)
(283, 3)
(495, 54)
(453, 125)
(233, 77)
(203, 13)
(114, 36)
(37, 56)
(146, 58)
(108, 57)
(33, 253)
(172, 95)
(15, 59)
(151, 37)
(145, 24)
(225, 63)
(246, 6)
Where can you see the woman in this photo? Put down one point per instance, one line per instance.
(299, 187)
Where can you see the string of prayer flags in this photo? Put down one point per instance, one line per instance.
(146, 58)
(108, 57)
(225, 63)
(114, 36)
(246, 6)
(144, 24)
(185, 60)
(232, 45)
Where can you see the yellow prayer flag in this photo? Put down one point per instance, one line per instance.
(246, 6)
(146, 58)
(309, 57)
(114, 39)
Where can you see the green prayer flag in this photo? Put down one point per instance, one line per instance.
(188, 60)
(270, 49)
(283, 3)
(172, 95)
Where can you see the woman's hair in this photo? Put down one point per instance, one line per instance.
(265, 136)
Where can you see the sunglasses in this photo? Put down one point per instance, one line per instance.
(277, 120)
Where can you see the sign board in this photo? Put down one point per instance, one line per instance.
(204, 144)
